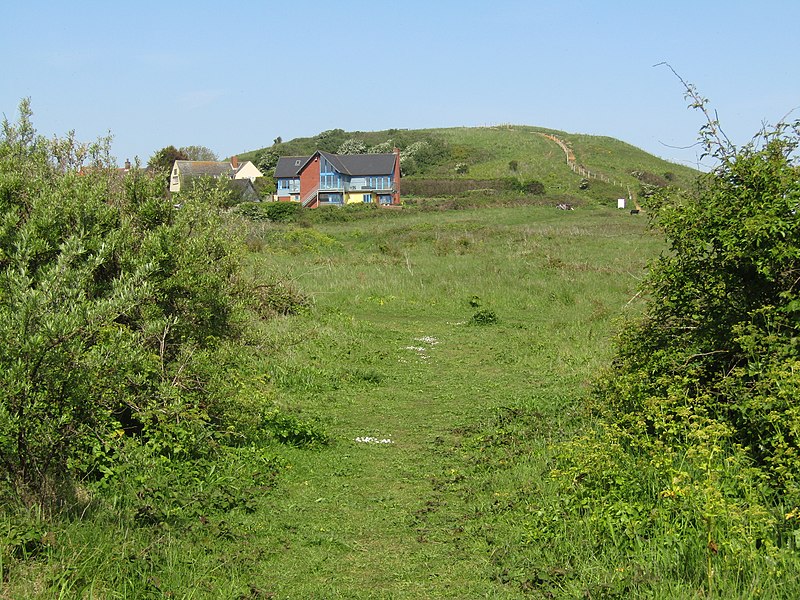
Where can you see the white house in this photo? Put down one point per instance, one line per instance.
(184, 170)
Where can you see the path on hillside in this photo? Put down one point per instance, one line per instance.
(577, 167)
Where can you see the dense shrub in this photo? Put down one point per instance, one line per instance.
(352, 146)
(696, 451)
(432, 188)
(109, 297)
(280, 212)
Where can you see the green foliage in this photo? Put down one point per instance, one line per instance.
(292, 430)
(352, 146)
(347, 213)
(168, 493)
(299, 240)
(526, 186)
(697, 442)
(108, 299)
(279, 298)
(484, 316)
(432, 188)
(162, 160)
(279, 212)
(197, 153)
(266, 161)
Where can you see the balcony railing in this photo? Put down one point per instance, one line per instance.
(363, 187)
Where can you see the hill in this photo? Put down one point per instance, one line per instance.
(503, 157)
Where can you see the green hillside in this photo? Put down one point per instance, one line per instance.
(502, 153)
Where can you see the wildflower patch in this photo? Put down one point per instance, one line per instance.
(373, 440)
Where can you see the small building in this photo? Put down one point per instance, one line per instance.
(183, 171)
(338, 179)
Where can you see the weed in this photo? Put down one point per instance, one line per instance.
(290, 429)
(484, 316)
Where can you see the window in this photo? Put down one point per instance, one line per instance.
(367, 198)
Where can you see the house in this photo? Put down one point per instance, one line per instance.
(243, 190)
(337, 179)
(183, 171)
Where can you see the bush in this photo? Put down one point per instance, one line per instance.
(291, 430)
(484, 316)
(110, 296)
(696, 448)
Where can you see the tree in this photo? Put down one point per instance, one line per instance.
(724, 308)
(197, 153)
(162, 160)
(266, 160)
(352, 146)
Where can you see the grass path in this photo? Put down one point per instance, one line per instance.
(356, 514)
(392, 357)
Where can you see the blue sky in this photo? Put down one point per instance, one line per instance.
(234, 77)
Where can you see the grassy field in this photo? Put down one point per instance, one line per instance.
(444, 356)
(441, 370)
(541, 159)
(397, 349)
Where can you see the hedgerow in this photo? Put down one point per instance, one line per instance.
(694, 457)
(114, 305)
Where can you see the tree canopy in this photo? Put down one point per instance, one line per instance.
(197, 153)
(162, 160)
(697, 420)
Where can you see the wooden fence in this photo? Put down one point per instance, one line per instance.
(575, 166)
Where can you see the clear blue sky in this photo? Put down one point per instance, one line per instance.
(234, 76)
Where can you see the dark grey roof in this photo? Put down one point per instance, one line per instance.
(244, 190)
(289, 166)
(349, 164)
(362, 164)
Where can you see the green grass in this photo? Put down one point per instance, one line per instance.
(389, 354)
(457, 505)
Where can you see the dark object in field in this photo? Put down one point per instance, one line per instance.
(635, 211)
(564, 206)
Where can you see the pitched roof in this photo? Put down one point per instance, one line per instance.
(289, 166)
(195, 168)
(244, 164)
(349, 164)
(362, 164)
(244, 189)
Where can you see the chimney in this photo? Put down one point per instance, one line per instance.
(127, 165)
(235, 162)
